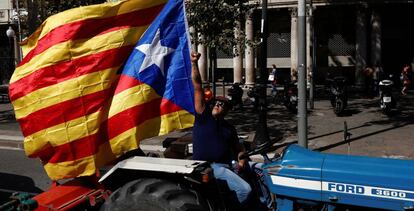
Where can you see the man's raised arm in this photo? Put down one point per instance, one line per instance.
(198, 89)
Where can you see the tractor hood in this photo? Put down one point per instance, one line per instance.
(355, 180)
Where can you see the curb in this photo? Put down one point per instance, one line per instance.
(10, 144)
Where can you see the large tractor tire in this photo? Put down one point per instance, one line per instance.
(152, 194)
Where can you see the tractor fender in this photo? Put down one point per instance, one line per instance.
(166, 165)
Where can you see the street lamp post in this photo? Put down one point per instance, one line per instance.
(13, 44)
(18, 25)
(17, 36)
(13, 51)
(302, 110)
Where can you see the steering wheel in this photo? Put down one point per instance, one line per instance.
(266, 147)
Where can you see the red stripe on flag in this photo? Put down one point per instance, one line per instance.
(57, 73)
(74, 150)
(126, 82)
(63, 112)
(117, 124)
(92, 27)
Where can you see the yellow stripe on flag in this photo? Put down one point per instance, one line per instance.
(131, 97)
(160, 125)
(88, 12)
(67, 90)
(68, 100)
(78, 48)
(77, 128)
(64, 133)
(176, 120)
(82, 167)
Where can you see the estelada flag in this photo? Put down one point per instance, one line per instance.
(97, 80)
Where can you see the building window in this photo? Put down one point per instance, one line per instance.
(278, 45)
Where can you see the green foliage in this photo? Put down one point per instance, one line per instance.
(216, 20)
(39, 10)
(52, 7)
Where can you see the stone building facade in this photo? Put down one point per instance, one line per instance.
(6, 44)
(343, 37)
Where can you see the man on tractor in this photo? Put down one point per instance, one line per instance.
(215, 140)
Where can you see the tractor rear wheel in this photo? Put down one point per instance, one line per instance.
(155, 195)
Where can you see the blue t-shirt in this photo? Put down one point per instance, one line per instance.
(213, 140)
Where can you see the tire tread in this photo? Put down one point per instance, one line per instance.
(170, 195)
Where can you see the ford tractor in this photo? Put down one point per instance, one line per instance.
(294, 179)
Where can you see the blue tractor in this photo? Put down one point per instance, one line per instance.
(295, 179)
(300, 177)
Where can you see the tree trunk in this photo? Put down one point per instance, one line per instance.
(32, 7)
(262, 136)
(42, 10)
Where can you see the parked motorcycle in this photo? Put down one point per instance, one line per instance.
(291, 96)
(253, 94)
(387, 101)
(338, 94)
(235, 94)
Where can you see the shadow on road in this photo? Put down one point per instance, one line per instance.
(280, 122)
(360, 137)
(339, 131)
(402, 116)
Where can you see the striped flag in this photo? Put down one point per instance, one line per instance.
(97, 80)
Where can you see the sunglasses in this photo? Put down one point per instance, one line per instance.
(219, 104)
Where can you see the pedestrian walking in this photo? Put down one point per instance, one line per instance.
(369, 81)
(405, 78)
(378, 72)
(273, 80)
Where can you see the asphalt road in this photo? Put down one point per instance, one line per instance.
(18, 173)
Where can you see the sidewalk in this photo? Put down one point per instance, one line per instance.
(10, 134)
(373, 133)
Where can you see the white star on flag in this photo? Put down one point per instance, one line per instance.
(154, 53)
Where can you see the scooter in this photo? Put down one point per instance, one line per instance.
(387, 101)
(291, 96)
(253, 94)
(338, 94)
